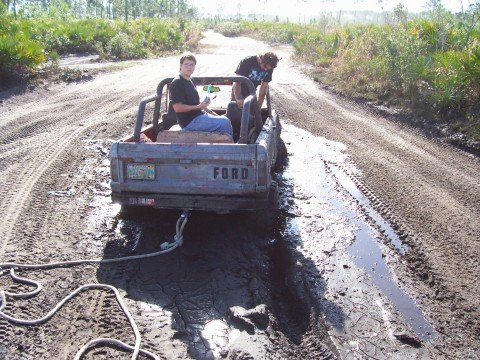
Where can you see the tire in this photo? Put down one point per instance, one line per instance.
(281, 155)
(263, 221)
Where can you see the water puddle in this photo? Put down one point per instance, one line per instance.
(213, 333)
(70, 192)
(368, 255)
(371, 213)
(315, 170)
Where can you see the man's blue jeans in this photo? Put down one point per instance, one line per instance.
(211, 123)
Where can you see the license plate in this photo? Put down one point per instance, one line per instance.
(141, 201)
(141, 171)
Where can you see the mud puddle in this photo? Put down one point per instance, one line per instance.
(340, 251)
(332, 223)
(369, 256)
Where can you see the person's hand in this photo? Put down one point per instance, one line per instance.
(239, 103)
(203, 105)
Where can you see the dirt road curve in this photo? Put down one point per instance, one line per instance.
(227, 293)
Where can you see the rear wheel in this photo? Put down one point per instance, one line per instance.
(263, 221)
(281, 155)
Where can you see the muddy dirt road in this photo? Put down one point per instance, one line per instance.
(375, 254)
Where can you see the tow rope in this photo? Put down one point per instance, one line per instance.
(164, 248)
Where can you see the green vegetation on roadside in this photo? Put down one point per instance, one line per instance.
(19, 52)
(29, 41)
(429, 65)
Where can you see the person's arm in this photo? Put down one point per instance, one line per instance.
(180, 107)
(237, 93)
(242, 70)
(262, 92)
(211, 111)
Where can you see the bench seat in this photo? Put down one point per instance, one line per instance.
(192, 137)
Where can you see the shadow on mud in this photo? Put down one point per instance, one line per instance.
(224, 284)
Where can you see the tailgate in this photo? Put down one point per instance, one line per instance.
(203, 169)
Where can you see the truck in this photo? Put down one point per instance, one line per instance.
(163, 166)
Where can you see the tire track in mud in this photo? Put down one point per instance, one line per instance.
(27, 230)
(429, 192)
(52, 158)
(396, 234)
(107, 321)
(97, 308)
(105, 311)
(31, 176)
(51, 150)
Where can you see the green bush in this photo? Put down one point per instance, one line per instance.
(26, 43)
(121, 47)
(432, 64)
(229, 28)
(19, 53)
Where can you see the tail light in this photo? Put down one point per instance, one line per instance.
(114, 169)
(261, 173)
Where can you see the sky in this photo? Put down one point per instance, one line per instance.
(306, 8)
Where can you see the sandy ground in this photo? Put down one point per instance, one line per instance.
(355, 181)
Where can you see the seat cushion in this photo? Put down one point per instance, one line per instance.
(192, 137)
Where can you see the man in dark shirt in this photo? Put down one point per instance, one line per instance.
(259, 70)
(192, 114)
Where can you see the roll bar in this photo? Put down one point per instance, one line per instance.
(249, 103)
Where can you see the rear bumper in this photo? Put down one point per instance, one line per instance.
(191, 202)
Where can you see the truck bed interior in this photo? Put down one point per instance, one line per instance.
(169, 131)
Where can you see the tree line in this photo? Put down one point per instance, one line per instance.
(105, 9)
